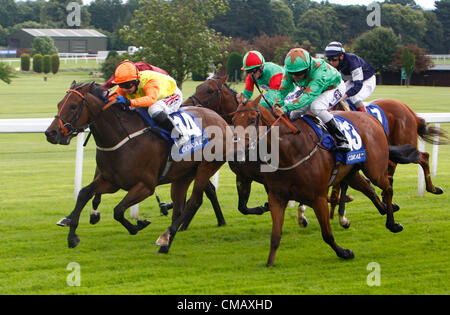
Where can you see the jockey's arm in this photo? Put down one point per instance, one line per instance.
(249, 87)
(151, 89)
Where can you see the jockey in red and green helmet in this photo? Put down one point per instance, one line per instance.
(322, 88)
(267, 75)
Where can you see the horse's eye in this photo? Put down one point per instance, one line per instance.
(73, 107)
(210, 91)
(252, 120)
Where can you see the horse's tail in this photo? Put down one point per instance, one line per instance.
(404, 154)
(431, 134)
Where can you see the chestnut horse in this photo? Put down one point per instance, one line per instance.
(305, 169)
(404, 128)
(131, 157)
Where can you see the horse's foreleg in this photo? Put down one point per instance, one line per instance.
(95, 214)
(277, 208)
(136, 194)
(244, 187)
(85, 194)
(320, 207)
(210, 192)
(203, 174)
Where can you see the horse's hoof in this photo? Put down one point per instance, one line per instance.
(395, 228)
(142, 224)
(163, 240)
(346, 254)
(349, 198)
(221, 224)
(63, 222)
(303, 223)
(346, 225)
(94, 218)
(395, 207)
(163, 250)
(74, 241)
(437, 191)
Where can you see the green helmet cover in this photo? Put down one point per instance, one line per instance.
(297, 60)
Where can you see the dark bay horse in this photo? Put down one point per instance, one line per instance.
(404, 128)
(305, 170)
(131, 157)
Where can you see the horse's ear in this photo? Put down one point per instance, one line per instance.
(73, 84)
(223, 72)
(240, 98)
(257, 100)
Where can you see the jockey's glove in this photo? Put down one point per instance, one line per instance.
(123, 100)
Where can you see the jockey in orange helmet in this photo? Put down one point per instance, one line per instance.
(154, 90)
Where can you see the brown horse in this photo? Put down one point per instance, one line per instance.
(404, 128)
(305, 170)
(132, 157)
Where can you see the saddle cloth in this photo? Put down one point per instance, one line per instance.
(357, 153)
(188, 123)
(375, 111)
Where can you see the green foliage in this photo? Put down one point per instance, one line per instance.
(37, 63)
(405, 21)
(234, 65)
(55, 63)
(25, 62)
(378, 47)
(6, 72)
(44, 46)
(200, 75)
(177, 37)
(110, 65)
(46, 64)
(408, 62)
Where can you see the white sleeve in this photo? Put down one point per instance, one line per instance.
(357, 74)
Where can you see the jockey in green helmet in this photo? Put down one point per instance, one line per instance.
(322, 87)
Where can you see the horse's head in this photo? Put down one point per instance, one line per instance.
(216, 95)
(75, 112)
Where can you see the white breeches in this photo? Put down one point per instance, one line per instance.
(366, 90)
(169, 105)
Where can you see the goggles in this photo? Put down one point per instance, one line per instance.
(334, 58)
(299, 73)
(254, 70)
(127, 85)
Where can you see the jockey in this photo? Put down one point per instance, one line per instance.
(358, 74)
(323, 88)
(150, 89)
(141, 66)
(267, 75)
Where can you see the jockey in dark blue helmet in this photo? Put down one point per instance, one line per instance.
(358, 74)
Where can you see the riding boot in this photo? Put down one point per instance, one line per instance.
(168, 124)
(341, 140)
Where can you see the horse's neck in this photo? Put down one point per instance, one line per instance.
(113, 125)
(291, 146)
(229, 105)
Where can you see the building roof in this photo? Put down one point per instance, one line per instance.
(62, 32)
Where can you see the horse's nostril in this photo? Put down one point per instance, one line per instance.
(50, 133)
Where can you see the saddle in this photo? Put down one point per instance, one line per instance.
(357, 153)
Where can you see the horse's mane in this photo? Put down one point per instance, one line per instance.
(94, 88)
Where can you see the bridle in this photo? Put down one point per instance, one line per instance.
(67, 128)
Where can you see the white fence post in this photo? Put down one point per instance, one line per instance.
(435, 153)
(420, 175)
(79, 164)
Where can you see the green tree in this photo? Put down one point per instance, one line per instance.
(408, 62)
(175, 36)
(37, 63)
(234, 65)
(434, 40)
(46, 64)
(299, 7)
(406, 22)
(318, 26)
(443, 14)
(378, 46)
(56, 12)
(6, 72)
(25, 62)
(282, 17)
(55, 63)
(8, 13)
(44, 46)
